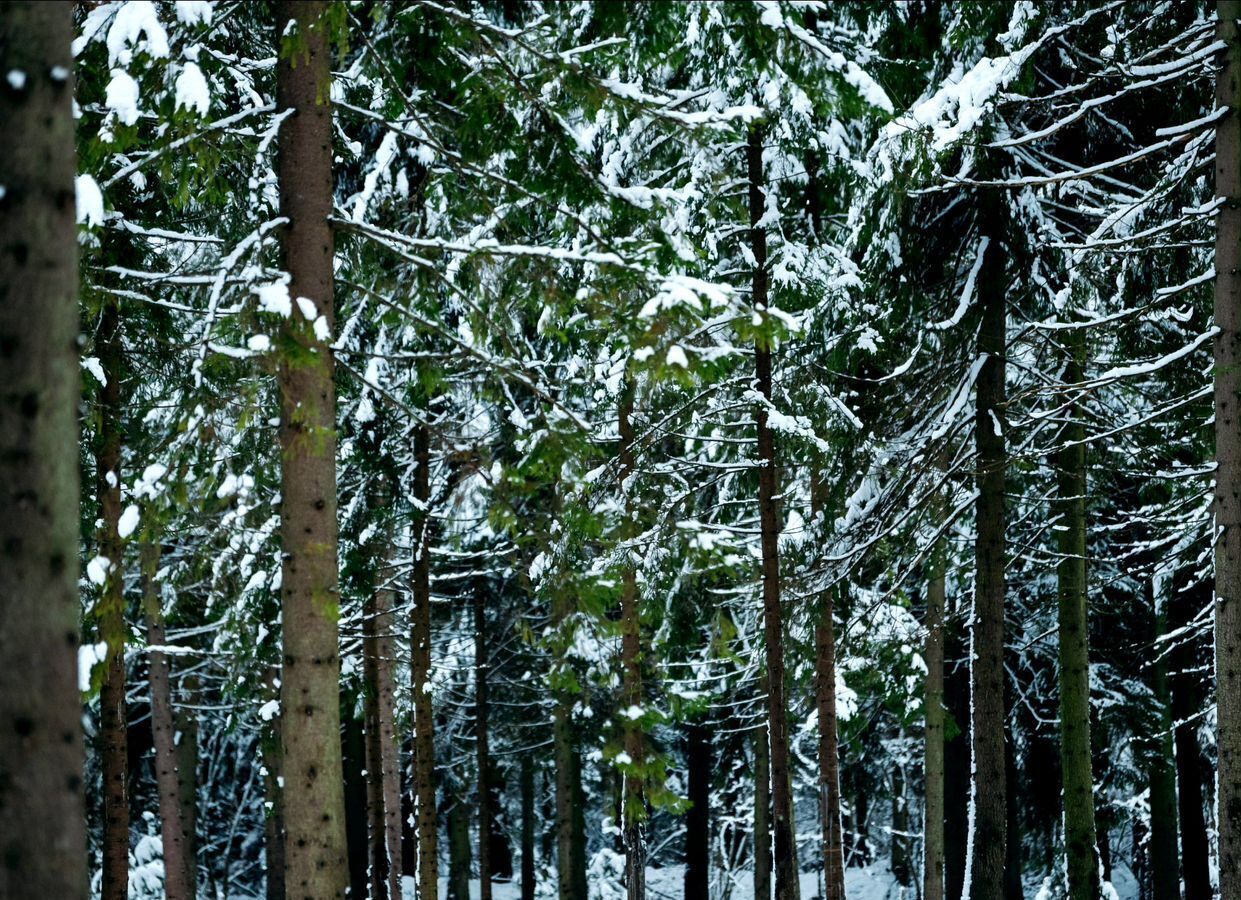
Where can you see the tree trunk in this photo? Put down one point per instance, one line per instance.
(42, 809)
(314, 803)
(185, 734)
(527, 827)
(699, 764)
(459, 849)
(420, 641)
(633, 801)
(114, 726)
(1164, 860)
(570, 836)
(178, 865)
(1228, 449)
(956, 767)
(1187, 701)
(987, 842)
(482, 745)
(383, 763)
(829, 755)
(933, 702)
(353, 760)
(273, 823)
(762, 808)
(787, 883)
(1075, 753)
(902, 868)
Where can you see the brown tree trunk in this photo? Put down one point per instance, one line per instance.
(42, 812)
(420, 642)
(988, 843)
(482, 746)
(787, 883)
(527, 827)
(383, 763)
(458, 846)
(762, 807)
(185, 729)
(114, 726)
(698, 762)
(829, 754)
(633, 802)
(273, 830)
(933, 751)
(179, 869)
(1228, 449)
(316, 864)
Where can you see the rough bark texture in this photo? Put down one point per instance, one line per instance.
(986, 878)
(829, 753)
(426, 822)
(42, 814)
(762, 807)
(787, 883)
(633, 802)
(482, 746)
(179, 868)
(113, 726)
(527, 827)
(933, 747)
(314, 801)
(698, 761)
(1075, 754)
(1228, 449)
(383, 763)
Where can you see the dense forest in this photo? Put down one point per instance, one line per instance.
(595, 450)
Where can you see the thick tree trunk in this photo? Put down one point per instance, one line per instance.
(383, 763)
(1164, 859)
(482, 745)
(527, 827)
(185, 732)
(1075, 753)
(114, 726)
(787, 879)
(699, 764)
(829, 754)
(1228, 449)
(273, 824)
(179, 869)
(459, 849)
(762, 807)
(633, 801)
(570, 817)
(987, 843)
(314, 803)
(933, 748)
(42, 815)
(420, 643)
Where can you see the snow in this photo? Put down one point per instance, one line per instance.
(88, 656)
(194, 12)
(97, 570)
(89, 201)
(92, 365)
(192, 90)
(128, 522)
(274, 298)
(122, 97)
(259, 343)
(269, 710)
(136, 25)
(16, 79)
(148, 485)
(676, 357)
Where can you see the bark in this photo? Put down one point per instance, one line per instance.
(42, 808)
(1075, 753)
(383, 764)
(273, 824)
(1164, 862)
(113, 731)
(633, 801)
(988, 844)
(787, 877)
(902, 869)
(956, 766)
(1228, 449)
(179, 869)
(1187, 701)
(482, 746)
(829, 755)
(933, 750)
(185, 725)
(527, 827)
(314, 803)
(699, 764)
(459, 850)
(762, 808)
(570, 837)
(426, 823)
(353, 759)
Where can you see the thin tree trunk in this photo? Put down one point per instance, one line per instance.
(787, 883)
(273, 824)
(1164, 859)
(178, 867)
(459, 848)
(316, 864)
(570, 838)
(1075, 753)
(42, 809)
(902, 869)
(762, 808)
(699, 764)
(114, 724)
(353, 759)
(933, 750)
(633, 802)
(420, 641)
(383, 763)
(1228, 449)
(829, 754)
(185, 734)
(1187, 700)
(527, 827)
(482, 745)
(987, 843)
